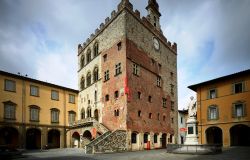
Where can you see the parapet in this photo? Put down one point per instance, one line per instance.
(125, 4)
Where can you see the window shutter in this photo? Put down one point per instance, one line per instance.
(208, 94)
(208, 113)
(216, 93)
(233, 111)
(243, 86)
(244, 110)
(217, 112)
(233, 89)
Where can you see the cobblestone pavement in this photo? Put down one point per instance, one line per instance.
(234, 153)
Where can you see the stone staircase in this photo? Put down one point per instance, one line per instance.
(108, 142)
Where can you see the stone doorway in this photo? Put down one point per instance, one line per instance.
(76, 140)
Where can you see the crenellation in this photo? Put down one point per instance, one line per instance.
(92, 36)
(107, 20)
(174, 46)
(169, 43)
(137, 13)
(88, 40)
(113, 14)
(101, 26)
(79, 48)
(84, 45)
(97, 31)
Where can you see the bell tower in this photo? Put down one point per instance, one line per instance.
(154, 14)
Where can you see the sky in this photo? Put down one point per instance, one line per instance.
(40, 37)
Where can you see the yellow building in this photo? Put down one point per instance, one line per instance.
(223, 111)
(34, 113)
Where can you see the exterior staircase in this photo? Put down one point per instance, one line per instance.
(108, 142)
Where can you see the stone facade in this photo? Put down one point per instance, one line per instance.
(137, 85)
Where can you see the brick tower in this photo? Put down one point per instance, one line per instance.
(128, 83)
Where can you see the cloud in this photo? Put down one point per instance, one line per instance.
(40, 38)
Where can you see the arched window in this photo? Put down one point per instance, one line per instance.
(164, 118)
(96, 49)
(89, 79)
(82, 61)
(96, 74)
(82, 83)
(150, 116)
(88, 55)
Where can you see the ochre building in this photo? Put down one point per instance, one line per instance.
(223, 112)
(34, 113)
(128, 83)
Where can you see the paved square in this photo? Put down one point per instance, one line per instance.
(233, 153)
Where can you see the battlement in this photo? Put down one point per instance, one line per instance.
(125, 4)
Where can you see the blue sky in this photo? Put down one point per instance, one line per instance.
(40, 37)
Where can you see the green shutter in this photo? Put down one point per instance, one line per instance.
(233, 111)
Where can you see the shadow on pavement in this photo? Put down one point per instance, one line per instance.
(232, 153)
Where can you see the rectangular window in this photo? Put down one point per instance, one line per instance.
(149, 99)
(106, 75)
(34, 114)
(136, 70)
(158, 81)
(116, 94)
(34, 91)
(181, 120)
(54, 116)
(119, 46)
(213, 113)
(118, 69)
(172, 105)
(10, 85)
(239, 110)
(71, 98)
(238, 87)
(212, 93)
(105, 57)
(72, 117)
(139, 95)
(164, 102)
(54, 95)
(9, 111)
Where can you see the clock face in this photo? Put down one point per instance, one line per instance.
(156, 43)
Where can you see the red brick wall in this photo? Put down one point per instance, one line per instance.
(146, 84)
(116, 83)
